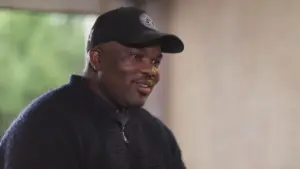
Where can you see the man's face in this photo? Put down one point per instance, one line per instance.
(128, 75)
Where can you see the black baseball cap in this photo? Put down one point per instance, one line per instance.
(131, 27)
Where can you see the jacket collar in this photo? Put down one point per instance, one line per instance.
(93, 101)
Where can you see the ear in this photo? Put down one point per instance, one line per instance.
(95, 60)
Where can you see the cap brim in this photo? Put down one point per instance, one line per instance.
(169, 43)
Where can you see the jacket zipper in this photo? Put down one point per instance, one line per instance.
(124, 135)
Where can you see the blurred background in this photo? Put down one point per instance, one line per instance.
(232, 98)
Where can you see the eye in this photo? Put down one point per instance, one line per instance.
(137, 57)
(156, 63)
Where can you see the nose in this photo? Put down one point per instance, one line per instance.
(151, 73)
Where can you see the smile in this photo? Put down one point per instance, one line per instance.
(146, 83)
(145, 87)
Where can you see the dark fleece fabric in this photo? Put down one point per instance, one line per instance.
(71, 128)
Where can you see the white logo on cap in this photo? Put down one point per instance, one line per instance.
(147, 21)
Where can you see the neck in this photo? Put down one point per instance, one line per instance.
(101, 91)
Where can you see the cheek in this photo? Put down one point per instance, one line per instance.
(129, 71)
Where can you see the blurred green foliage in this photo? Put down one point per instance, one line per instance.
(38, 51)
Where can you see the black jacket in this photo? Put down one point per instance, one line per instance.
(71, 128)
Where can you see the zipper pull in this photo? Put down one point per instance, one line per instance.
(124, 136)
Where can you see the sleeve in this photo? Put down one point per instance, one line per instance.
(38, 142)
(177, 162)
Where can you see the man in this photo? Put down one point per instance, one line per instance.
(96, 120)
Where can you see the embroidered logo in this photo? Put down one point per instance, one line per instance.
(147, 21)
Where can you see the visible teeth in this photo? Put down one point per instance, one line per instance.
(143, 85)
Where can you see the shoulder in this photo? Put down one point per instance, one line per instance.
(166, 136)
(40, 116)
(50, 99)
(44, 107)
(147, 117)
(43, 132)
(156, 123)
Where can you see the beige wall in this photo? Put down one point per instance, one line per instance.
(234, 101)
(156, 104)
(232, 97)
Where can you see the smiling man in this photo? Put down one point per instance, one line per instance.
(96, 121)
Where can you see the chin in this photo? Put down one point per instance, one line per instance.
(138, 102)
(136, 99)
